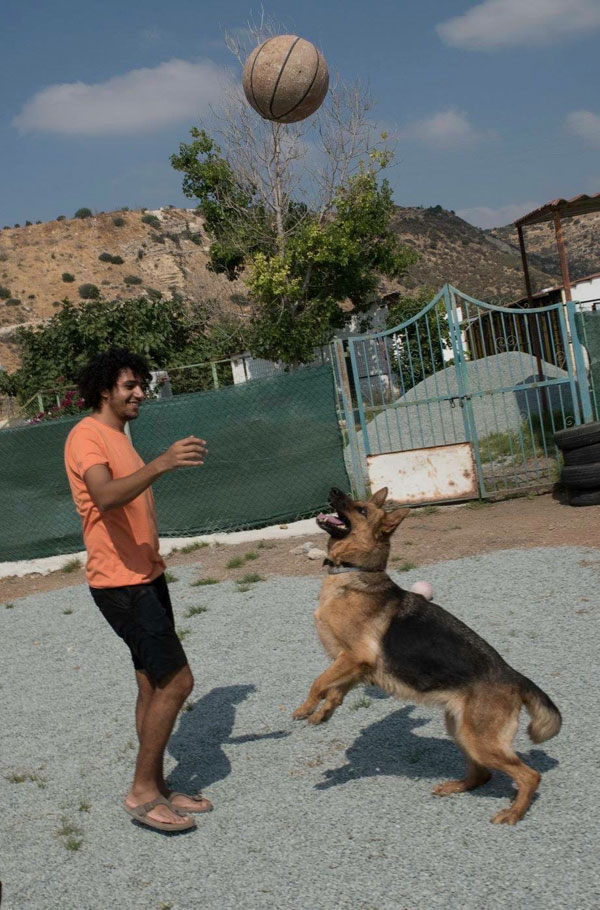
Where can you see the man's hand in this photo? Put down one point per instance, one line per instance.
(185, 453)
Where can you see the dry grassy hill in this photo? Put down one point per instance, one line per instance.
(582, 239)
(166, 250)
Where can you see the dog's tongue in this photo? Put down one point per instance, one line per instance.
(332, 519)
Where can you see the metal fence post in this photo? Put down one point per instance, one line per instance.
(357, 467)
(582, 378)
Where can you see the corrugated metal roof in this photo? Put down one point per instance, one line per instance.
(578, 205)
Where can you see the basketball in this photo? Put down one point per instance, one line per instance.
(285, 79)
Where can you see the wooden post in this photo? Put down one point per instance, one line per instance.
(562, 254)
(535, 334)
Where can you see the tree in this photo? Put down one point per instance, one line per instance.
(299, 212)
(418, 347)
(167, 332)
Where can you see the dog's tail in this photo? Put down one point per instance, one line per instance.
(545, 717)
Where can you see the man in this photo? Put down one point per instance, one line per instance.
(111, 488)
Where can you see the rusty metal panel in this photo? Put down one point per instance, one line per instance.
(432, 474)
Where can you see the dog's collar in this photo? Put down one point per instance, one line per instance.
(345, 567)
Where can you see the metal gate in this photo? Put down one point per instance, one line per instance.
(502, 379)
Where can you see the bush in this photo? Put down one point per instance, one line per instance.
(17, 225)
(118, 222)
(13, 301)
(61, 218)
(4, 292)
(66, 276)
(83, 213)
(28, 223)
(105, 257)
(152, 220)
(89, 292)
(132, 279)
(117, 260)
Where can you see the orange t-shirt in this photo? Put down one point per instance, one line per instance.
(122, 543)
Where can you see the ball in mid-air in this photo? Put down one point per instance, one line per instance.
(285, 79)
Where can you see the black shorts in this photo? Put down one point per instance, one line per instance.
(142, 616)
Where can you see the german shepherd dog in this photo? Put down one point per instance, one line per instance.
(375, 632)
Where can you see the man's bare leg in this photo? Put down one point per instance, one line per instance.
(146, 690)
(156, 711)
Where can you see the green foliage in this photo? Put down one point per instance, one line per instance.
(164, 331)
(152, 220)
(83, 213)
(296, 279)
(117, 260)
(417, 352)
(4, 292)
(132, 279)
(67, 277)
(89, 291)
(61, 218)
(105, 257)
(13, 301)
(118, 221)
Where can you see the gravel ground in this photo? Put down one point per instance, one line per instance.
(338, 816)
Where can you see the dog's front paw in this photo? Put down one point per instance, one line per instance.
(301, 713)
(320, 716)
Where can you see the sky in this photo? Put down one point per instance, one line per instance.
(494, 105)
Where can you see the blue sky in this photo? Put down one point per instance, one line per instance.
(495, 103)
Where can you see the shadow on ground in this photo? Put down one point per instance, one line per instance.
(390, 747)
(198, 742)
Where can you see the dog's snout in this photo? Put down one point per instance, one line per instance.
(336, 496)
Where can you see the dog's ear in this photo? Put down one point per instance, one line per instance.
(379, 497)
(391, 520)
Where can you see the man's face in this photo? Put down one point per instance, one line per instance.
(125, 397)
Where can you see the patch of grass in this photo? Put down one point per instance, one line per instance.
(430, 510)
(362, 702)
(21, 777)
(71, 566)
(84, 806)
(252, 554)
(478, 504)
(404, 565)
(192, 547)
(9, 606)
(194, 611)
(68, 611)
(251, 578)
(265, 545)
(242, 588)
(183, 633)
(72, 834)
(236, 562)
(189, 706)
(204, 581)
(170, 578)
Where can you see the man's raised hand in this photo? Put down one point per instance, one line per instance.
(185, 453)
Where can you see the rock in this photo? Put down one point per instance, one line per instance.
(308, 545)
(297, 551)
(316, 553)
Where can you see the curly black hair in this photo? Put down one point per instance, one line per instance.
(103, 370)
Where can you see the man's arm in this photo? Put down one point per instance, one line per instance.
(108, 494)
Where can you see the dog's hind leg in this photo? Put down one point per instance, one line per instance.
(332, 686)
(487, 731)
(476, 775)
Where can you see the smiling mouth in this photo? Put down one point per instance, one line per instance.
(336, 525)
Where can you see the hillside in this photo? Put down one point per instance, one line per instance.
(582, 240)
(453, 250)
(166, 250)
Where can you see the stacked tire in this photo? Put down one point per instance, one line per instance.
(580, 447)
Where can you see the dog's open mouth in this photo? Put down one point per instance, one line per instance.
(336, 525)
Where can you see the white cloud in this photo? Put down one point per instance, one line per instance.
(586, 125)
(446, 129)
(497, 24)
(485, 217)
(140, 101)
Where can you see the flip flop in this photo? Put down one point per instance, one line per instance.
(140, 814)
(208, 808)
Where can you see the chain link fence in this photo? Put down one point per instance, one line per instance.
(274, 451)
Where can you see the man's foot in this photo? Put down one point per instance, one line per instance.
(184, 803)
(158, 813)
